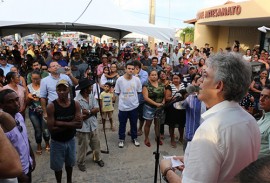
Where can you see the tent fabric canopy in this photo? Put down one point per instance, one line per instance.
(96, 17)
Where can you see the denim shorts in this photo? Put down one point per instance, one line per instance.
(62, 152)
(148, 112)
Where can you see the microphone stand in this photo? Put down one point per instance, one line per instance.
(158, 115)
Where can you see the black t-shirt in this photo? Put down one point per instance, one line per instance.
(66, 114)
(146, 62)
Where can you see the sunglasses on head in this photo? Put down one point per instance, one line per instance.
(20, 128)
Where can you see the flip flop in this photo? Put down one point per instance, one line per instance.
(38, 152)
(160, 142)
(173, 144)
(139, 133)
(148, 144)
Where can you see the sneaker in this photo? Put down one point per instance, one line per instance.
(121, 144)
(136, 143)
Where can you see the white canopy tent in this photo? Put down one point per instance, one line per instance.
(96, 17)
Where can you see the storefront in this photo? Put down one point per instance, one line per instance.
(220, 26)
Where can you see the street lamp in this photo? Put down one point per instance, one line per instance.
(263, 29)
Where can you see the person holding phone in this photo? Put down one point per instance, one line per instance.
(47, 85)
(36, 113)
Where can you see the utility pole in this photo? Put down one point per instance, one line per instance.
(152, 15)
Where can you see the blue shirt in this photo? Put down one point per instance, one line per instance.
(143, 76)
(20, 141)
(48, 86)
(6, 69)
(193, 115)
(63, 63)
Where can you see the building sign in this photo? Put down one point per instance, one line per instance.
(220, 12)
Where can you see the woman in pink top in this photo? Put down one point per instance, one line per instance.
(13, 80)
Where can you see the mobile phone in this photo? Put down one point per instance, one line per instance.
(61, 70)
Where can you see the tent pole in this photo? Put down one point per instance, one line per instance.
(119, 41)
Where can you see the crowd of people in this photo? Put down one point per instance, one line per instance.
(207, 96)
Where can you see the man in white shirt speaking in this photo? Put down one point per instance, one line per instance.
(229, 138)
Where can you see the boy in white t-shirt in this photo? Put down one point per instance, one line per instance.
(127, 88)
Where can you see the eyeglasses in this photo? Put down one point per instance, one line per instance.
(20, 128)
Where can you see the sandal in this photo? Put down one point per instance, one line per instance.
(147, 143)
(173, 144)
(100, 163)
(160, 142)
(113, 129)
(139, 133)
(48, 148)
(38, 152)
(162, 137)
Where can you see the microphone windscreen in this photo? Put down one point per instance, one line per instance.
(191, 89)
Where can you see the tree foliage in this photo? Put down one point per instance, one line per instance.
(55, 34)
(187, 34)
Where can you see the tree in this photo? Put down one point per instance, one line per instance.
(55, 34)
(187, 34)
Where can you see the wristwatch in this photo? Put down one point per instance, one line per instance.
(89, 111)
(165, 173)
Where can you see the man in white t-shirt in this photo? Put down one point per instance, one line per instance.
(160, 51)
(175, 57)
(229, 138)
(127, 88)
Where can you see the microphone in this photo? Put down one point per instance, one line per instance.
(188, 90)
(177, 99)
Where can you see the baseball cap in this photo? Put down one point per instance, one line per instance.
(62, 82)
(104, 56)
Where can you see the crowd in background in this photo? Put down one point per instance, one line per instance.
(162, 72)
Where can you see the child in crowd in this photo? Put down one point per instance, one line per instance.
(107, 98)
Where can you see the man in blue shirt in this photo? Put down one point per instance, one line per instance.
(57, 57)
(143, 76)
(48, 85)
(4, 65)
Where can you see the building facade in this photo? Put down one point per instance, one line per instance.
(221, 25)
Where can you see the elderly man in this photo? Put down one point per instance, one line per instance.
(264, 122)
(104, 63)
(229, 138)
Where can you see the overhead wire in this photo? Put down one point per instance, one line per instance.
(83, 11)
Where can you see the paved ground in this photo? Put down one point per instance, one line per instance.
(130, 164)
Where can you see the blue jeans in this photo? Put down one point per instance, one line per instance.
(40, 126)
(62, 153)
(123, 116)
